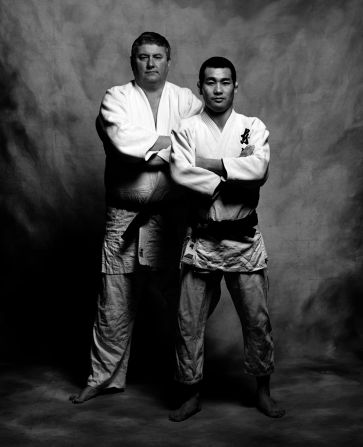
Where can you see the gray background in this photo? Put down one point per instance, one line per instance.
(299, 66)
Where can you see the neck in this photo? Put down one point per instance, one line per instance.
(151, 89)
(220, 118)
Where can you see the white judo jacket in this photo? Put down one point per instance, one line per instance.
(200, 136)
(128, 132)
(244, 150)
(127, 128)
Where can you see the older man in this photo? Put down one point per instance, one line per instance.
(140, 244)
(222, 158)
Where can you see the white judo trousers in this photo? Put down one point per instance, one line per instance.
(119, 300)
(128, 131)
(200, 293)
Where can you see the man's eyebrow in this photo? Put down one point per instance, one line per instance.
(150, 54)
(211, 78)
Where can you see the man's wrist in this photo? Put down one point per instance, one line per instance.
(157, 163)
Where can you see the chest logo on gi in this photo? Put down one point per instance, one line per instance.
(245, 136)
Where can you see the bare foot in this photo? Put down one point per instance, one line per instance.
(186, 410)
(268, 406)
(86, 394)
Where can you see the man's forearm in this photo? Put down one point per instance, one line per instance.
(156, 163)
(211, 164)
(162, 142)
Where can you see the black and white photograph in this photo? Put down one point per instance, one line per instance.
(181, 202)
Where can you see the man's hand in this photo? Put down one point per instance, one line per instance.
(248, 150)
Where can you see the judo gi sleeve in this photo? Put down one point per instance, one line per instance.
(130, 140)
(182, 165)
(254, 167)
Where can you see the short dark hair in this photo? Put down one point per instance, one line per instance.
(217, 62)
(150, 38)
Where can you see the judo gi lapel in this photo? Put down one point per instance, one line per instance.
(162, 117)
(145, 112)
(164, 114)
(212, 126)
(228, 144)
(221, 139)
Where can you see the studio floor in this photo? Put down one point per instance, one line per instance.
(323, 400)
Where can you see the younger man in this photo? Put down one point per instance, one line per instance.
(222, 158)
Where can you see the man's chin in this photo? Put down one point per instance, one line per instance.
(154, 77)
(217, 108)
(151, 81)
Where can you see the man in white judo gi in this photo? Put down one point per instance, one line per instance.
(140, 245)
(222, 158)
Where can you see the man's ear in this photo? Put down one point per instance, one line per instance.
(199, 87)
(235, 86)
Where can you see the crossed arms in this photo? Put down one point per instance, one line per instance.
(131, 139)
(204, 175)
(134, 143)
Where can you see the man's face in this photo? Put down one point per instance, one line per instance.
(150, 65)
(218, 89)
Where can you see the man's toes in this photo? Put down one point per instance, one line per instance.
(186, 411)
(174, 416)
(272, 412)
(75, 400)
(182, 416)
(86, 394)
(278, 413)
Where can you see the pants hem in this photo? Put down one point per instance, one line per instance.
(259, 373)
(188, 382)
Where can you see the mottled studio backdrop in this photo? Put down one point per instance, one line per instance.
(300, 68)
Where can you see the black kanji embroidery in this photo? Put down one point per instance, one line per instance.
(245, 136)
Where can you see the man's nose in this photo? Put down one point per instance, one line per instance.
(218, 88)
(150, 62)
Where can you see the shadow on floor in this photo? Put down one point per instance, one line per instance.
(324, 403)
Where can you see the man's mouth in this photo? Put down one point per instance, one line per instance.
(217, 99)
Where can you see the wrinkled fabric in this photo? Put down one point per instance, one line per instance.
(126, 118)
(200, 293)
(128, 131)
(242, 146)
(112, 329)
(149, 260)
(157, 246)
(238, 191)
(246, 255)
(118, 302)
(232, 197)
